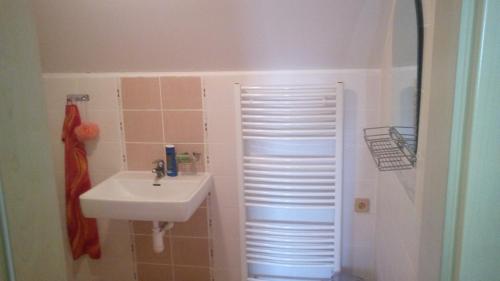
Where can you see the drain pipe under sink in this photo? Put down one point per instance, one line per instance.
(159, 229)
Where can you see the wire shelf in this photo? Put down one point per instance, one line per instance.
(392, 148)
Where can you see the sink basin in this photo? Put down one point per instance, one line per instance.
(138, 195)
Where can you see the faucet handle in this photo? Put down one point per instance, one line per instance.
(159, 162)
(196, 156)
(159, 168)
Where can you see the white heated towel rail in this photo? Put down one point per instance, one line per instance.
(290, 168)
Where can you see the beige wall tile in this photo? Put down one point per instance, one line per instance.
(227, 274)
(143, 126)
(190, 148)
(141, 93)
(181, 92)
(196, 226)
(187, 273)
(190, 251)
(142, 227)
(154, 272)
(141, 156)
(184, 126)
(105, 269)
(145, 253)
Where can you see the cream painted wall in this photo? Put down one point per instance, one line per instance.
(192, 35)
(362, 92)
(26, 173)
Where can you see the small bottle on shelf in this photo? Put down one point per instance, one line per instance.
(171, 161)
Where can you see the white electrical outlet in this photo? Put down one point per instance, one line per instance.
(362, 205)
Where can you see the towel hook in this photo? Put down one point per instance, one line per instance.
(70, 99)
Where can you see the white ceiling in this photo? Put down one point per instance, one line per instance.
(209, 35)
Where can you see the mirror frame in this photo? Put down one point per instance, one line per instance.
(420, 60)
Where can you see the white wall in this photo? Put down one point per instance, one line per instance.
(399, 213)
(362, 92)
(397, 225)
(105, 159)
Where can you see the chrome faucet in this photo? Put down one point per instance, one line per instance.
(159, 169)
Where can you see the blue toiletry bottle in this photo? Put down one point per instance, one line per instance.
(171, 161)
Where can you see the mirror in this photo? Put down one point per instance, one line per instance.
(407, 52)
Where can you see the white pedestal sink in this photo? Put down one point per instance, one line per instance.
(138, 195)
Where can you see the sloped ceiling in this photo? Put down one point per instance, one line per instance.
(209, 35)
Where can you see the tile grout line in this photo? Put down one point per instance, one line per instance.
(171, 265)
(122, 124)
(145, 142)
(133, 247)
(177, 236)
(171, 248)
(163, 135)
(163, 131)
(209, 197)
(164, 110)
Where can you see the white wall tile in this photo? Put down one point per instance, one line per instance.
(112, 226)
(364, 224)
(222, 159)
(221, 126)
(107, 121)
(362, 91)
(226, 193)
(225, 222)
(219, 92)
(104, 156)
(227, 253)
(105, 159)
(362, 109)
(363, 262)
(102, 92)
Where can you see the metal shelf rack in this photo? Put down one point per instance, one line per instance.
(392, 148)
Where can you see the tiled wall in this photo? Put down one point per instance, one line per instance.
(362, 90)
(186, 255)
(105, 159)
(157, 111)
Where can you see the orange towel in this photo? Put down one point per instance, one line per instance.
(82, 232)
